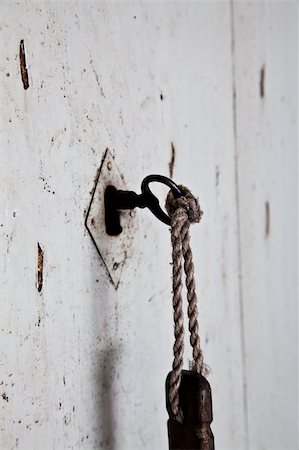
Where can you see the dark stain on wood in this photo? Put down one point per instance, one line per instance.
(4, 396)
(40, 267)
(267, 219)
(23, 68)
(98, 80)
(217, 176)
(172, 160)
(262, 82)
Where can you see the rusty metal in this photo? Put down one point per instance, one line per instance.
(196, 403)
(116, 200)
(23, 66)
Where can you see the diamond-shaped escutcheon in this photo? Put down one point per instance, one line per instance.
(114, 250)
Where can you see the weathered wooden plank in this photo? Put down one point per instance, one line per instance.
(83, 365)
(266, 120)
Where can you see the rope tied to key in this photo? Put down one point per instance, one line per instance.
(183, 211)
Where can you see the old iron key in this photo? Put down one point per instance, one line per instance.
(196, 403)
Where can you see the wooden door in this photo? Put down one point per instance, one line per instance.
(203, 92)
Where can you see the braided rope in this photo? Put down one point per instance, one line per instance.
(183, 211)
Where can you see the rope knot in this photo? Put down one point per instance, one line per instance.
(187, 202)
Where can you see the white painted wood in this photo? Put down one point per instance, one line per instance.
(266, 127)
(83, 365)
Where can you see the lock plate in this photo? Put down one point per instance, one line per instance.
(114, 250)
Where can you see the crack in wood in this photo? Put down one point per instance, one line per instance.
(40, 267)
(262, 82)
(23, 68)
(267, 219)
(172, 160)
